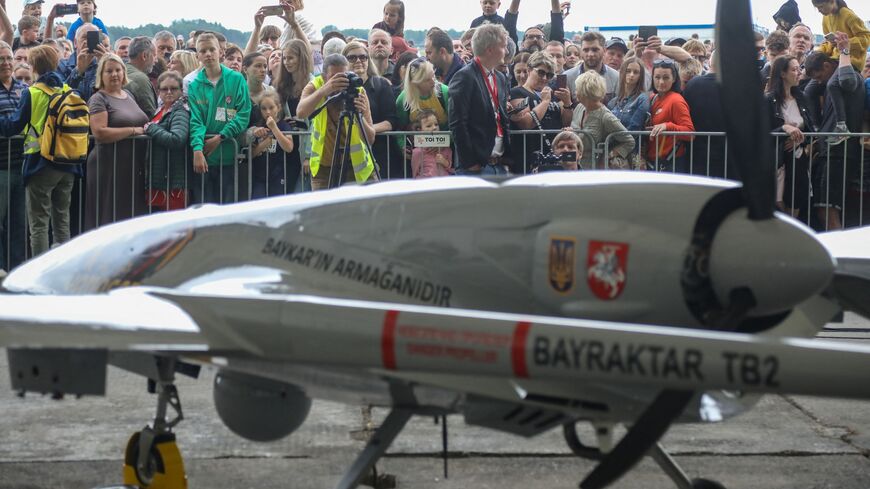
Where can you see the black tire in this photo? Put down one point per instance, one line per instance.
(155, 462)
(569, 430)
(706, 484)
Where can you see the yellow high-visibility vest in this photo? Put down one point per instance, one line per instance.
(362, 161)
(39, 98)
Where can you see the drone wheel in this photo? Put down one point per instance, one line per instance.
(573, 440)
(164, 468)
(706, 484)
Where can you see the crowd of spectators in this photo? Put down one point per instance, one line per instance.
(181, 118)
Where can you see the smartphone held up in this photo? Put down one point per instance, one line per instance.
(93, 40)
(67, 9)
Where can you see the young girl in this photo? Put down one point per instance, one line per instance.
(394, 18)
(430, 162)
(839, 18)
(274, 172)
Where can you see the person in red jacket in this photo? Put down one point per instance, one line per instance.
(669, 112)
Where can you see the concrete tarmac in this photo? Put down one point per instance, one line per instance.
(784, 443)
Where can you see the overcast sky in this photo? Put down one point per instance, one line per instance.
(422, 14)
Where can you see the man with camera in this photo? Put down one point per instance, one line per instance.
(567, 148)
(324, 100)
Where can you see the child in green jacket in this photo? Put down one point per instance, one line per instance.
(220, 107)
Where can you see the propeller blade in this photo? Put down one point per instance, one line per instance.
(746, 119)
(645, 433)
(747, 129)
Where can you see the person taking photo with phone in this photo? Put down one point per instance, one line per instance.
(80, 70)
(537, 107)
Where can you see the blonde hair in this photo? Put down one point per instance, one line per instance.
(273, 94)
(590, 85)
(569, 135)
(187, 59)
(417, 72)
(370, 67)
(208, 37)
(102, 66)
(691, 67)
(694, 45)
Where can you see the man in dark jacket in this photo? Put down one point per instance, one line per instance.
(705, 105)
(439, 52)
(477, 111)
(828, 190)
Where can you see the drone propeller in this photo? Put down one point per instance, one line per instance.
(747, 130)
(743, 105)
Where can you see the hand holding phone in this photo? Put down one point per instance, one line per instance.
(66, 9)
(273, 10)
(830, 37)
(645, 32)
(561, 81)
(93, 40)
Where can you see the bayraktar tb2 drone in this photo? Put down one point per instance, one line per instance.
(539, 302)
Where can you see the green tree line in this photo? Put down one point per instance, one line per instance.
(183, 27)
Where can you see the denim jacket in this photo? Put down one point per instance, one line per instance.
(631, 112)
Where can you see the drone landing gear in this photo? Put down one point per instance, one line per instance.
(676, 474)
(152, 459)
(656, 452)
(374, 450)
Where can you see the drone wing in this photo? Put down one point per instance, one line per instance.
(427, 340)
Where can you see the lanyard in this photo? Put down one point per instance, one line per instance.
(493, 93)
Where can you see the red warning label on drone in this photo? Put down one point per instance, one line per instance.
(402, 340)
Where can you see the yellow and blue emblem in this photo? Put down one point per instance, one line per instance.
(561, 269)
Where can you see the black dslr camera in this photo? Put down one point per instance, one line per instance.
(551, 162)
(352, 91)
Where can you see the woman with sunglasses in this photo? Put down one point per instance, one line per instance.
(170, 135)
(537, 107)
(381, 104)
(669, 112)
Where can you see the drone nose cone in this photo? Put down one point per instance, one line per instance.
(778, 259)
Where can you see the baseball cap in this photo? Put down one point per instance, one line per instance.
(675, 41)
(31, 2)
(616, 42)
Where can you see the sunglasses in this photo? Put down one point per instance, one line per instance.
(544, 73)
(663, 62)
(353, 58)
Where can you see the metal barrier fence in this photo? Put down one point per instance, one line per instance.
(825, 187)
